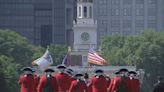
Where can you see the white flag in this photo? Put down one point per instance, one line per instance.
(44, 61)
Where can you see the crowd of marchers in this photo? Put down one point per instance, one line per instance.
(67, 81)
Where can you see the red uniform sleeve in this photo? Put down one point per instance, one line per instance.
(110, 86)
(85, 87)
(106, 82)
(63, 81)
(69, 81)
(20, 79)
(89, 89)
(72, 86)
(116, 82)
(41, 84)
(128, 84)
(55, 84)
(135, 85)
(138, 86)
(37, 78)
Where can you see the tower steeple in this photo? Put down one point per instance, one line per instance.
(85, 30)
(84, 8)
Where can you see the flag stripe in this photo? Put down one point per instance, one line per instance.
(93, 62)
(97, 63)
(94, 58)
(99, 56)
(95, 54)
(90, 59)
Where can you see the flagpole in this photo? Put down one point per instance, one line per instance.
(88, 64)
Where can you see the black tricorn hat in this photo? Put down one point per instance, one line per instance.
(99, 71)
(49, 70)
(70, 70)
(78, 74)
(132, 72)
(116, 72)
(86, 76)
(27, 69)
(61, 66)
(123, 70)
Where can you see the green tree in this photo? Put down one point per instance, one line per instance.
(58, 53)
(145, 50)
(15, 52)
(110, 45)
(9, 74)
(17, 47)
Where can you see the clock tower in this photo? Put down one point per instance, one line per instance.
(85, 29)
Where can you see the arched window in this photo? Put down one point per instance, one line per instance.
(90, 12)
(85, 12)
(90, 0)
(79, 11)
(84, 0)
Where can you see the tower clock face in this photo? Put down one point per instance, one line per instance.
(85, 36)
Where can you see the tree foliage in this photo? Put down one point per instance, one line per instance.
(17, 47)
(58, 53)
(15, 53)
(145, 51)
(9, 74)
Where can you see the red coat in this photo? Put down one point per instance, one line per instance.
(116, 82)
(135, 85)
(43, 81)
(110, 85)
(27, 83)
(71, 80)
(89, 88)
(78, 86)
(37, 78)
(64, 82)
(108, 82)
(99, 84)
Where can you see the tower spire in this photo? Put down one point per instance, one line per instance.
(85, 9)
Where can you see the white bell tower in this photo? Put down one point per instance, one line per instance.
(84, 9)
(85, 29)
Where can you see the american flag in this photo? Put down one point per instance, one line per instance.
(94, 58)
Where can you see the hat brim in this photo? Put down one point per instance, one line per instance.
(61, 66)
(123, 70)
(99, 71)
(78, 75)
(132, 72)
(27, 69)
(70, 70)
(116, 72)
(49, 70)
